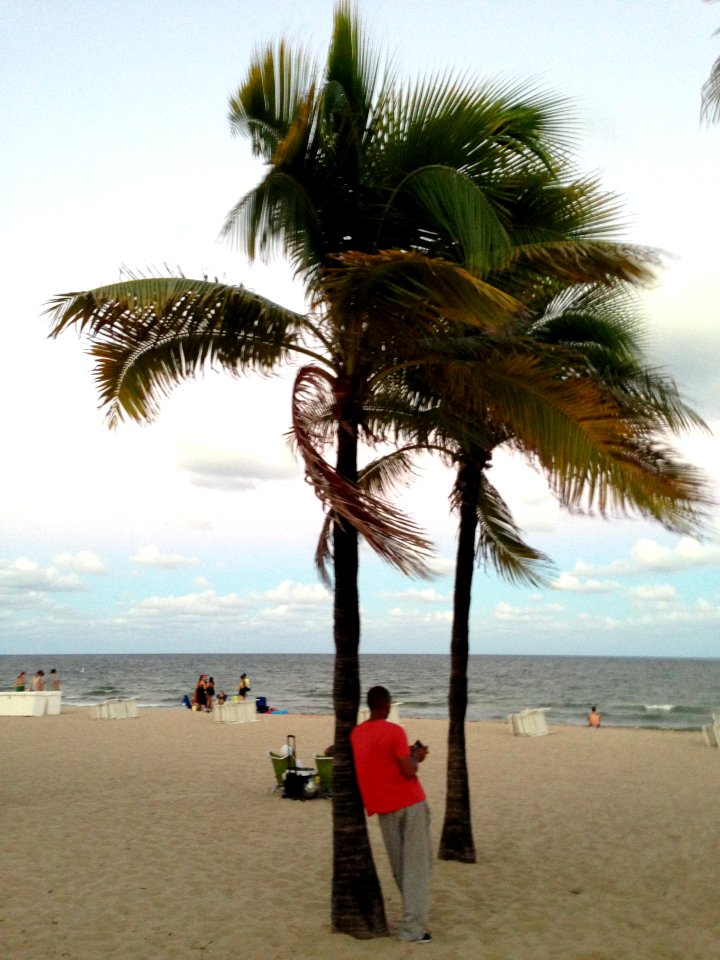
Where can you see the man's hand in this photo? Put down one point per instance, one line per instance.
(408, 765)
(419, 751)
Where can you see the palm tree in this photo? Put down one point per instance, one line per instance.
(388, 203)
(572, 278)
(596, 328)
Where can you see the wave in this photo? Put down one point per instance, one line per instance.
(659, 707)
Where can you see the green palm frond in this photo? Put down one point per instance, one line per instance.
(354, 72)
(278, 216)
(149, 334)
(461, 210)
(272, 97)
(402, 287)
(500, 543)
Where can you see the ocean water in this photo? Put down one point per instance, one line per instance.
(678, 694)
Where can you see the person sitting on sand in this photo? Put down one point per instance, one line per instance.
(594, 718)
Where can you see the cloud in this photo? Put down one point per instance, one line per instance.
(650, 556)
(81, 562)
(24, 575)
(201, 605)
(417, 616)
(151, 556)
(226, 470)
(289, 592)
(429, 595)
(654, 592)
(543, 616)
(566, 581)
(441, 566)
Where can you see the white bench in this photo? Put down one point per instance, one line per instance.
(393, 716)
(711, 733)
(115, 709)
(529, 723)
(30, 703)
(236, 711)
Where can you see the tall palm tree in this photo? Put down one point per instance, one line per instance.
(360, 173)
(571, 275)
(596, 328)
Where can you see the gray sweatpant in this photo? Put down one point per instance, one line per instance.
(406, 833)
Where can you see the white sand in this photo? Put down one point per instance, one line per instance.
(158, 837)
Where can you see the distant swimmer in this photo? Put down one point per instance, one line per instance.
(594, 717)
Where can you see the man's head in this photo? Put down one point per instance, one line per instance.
(379, 701)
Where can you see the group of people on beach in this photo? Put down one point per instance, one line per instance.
(38, 683)
(204, 698)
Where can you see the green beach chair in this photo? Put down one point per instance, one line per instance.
(280, 764)
(324, 767)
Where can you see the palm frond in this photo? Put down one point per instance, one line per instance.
(710, 102)
(500, 542)
(390, 534)
(147, 335)
(408, 287)
(278, 216)
(459, 207)
(272, 96)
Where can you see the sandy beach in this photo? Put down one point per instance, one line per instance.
(158, 837)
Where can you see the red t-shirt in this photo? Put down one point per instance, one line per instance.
(377, 747)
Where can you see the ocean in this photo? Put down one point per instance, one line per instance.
(673, 694)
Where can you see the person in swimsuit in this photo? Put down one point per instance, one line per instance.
(209, 694)
(200, 698)
(20, 682)
(594, 718)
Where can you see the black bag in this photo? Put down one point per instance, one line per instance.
(299, 784)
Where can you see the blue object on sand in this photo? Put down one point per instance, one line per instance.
(186, 702)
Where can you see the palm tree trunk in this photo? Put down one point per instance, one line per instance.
(357, 902)
(456, 840)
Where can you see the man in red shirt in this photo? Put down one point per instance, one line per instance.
(386, 769)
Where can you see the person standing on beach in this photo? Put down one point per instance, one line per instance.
(54, 680)
(243, 686)
(20, 682)
(594, 718)
(38, 681)
(200, 699)
(386, 769)
(209, 694)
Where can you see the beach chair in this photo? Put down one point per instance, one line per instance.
(324, 767)
(710, 733)
(280, 764)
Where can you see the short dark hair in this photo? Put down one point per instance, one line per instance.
(377, 697)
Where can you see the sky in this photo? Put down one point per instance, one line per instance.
(197, 533)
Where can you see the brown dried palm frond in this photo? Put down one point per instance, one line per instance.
(387, 531)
